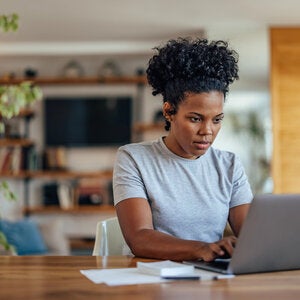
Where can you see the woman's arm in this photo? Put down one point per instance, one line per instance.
(237, 216)
(135, 218)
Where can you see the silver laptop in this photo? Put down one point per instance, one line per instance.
(269, 239)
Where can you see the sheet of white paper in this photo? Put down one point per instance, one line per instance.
(124, 276)
(127, 276)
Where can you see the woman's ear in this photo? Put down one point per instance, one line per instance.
(168, 111)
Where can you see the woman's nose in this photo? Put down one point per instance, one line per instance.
(205, 128)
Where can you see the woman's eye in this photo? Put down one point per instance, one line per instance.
(218, 120)
(195, 119)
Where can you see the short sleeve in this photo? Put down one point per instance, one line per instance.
(241, 190)
(127, 181)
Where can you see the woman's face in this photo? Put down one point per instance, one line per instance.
(195, 125)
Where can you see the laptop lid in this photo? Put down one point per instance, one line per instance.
(269, 239)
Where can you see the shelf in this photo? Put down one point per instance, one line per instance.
(70, 174)
(139, 127)
(7, 142)
(57, 174)
(81, 80)
(82, 243)
(14, 175)
(75, 210)
(24, 113)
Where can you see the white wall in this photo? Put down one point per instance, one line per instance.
(247, 146)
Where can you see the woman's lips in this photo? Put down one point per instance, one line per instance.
(202, 145)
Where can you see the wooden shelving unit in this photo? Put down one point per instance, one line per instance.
(14, 175)
(139, 79)
(89, 209)
(27, 175)
(24, 113)
(5, 142)
(69, 174)
(86, 244)
(140, 127)
(61, 175)
(57, 174)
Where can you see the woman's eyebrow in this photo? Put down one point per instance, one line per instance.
(200, 115)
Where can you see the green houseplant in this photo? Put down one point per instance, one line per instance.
(13, 98)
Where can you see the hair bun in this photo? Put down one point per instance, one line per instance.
(187, 60)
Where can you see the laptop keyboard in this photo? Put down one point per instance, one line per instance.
(218, 263)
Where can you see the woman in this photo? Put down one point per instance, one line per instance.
(174, 195)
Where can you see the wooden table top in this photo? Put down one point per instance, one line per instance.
(59, 277)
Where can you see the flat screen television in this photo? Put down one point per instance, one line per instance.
(87, 121)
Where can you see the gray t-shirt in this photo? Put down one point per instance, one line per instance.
(189, 199)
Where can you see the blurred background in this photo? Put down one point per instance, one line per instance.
(93, 38)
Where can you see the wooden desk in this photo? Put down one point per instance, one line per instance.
(52, 277)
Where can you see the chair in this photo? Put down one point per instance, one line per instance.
(109, 239)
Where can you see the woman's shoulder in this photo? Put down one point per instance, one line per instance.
(223, 155)
(220, 152)
(140, 146)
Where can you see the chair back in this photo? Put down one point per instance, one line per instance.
(109, 239)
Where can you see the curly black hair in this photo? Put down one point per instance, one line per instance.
(190, 65)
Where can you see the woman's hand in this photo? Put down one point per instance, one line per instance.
(220, 249)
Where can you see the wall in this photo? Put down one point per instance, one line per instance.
(247, 131)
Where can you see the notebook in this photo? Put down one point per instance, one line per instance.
(269, 239)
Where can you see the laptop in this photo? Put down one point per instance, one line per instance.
(269, 239)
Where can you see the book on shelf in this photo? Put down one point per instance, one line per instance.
(70, 193)
(66, 195)
(49, 194)
(16, 160)
(33, 162)
(92, 191)
(55, 158)
(5, 156)
(11, 159)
